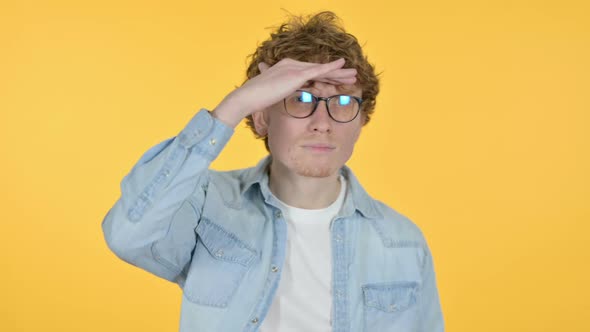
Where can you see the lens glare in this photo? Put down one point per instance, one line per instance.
(306, 97)
(344, 100)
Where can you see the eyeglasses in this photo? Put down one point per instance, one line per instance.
(341, 108)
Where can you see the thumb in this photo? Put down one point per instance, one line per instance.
(262, 66)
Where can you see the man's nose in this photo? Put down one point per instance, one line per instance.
(320, 119)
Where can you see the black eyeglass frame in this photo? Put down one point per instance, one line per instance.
(327, 100)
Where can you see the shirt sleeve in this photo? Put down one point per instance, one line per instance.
(431, 317)
(152, 223)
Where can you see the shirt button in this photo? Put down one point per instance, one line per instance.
(166, 173)
(212, 141)
(278, 214)
(274, 269)
(392, 307)
(254, 320)
(338, 238)
(219, 253)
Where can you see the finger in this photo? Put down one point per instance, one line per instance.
(341, 73)
(320, 70)
(351, 80)
(339, 81)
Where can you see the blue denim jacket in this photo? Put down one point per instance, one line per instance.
(221, 237)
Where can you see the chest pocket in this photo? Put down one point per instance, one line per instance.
(219, 263)
(390, 306)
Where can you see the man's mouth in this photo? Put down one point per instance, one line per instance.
(319, 147)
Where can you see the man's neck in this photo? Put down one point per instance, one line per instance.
(304, 192)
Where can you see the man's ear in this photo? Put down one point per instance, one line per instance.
(363, 118)
(260, 123)
(360, 129)
(262, 66)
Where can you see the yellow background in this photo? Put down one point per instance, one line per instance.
(480, 136)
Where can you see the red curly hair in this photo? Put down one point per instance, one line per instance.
(318, 38)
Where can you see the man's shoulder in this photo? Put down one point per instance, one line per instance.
(397, 227)
(231, 184)
(233, 177)
(393, 227)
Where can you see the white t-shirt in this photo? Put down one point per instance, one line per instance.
(303, 301)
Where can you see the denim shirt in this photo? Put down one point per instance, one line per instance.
(221, 237)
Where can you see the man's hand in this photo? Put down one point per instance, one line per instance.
(277, 82)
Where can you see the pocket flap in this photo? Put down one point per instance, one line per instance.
(390, 297)
(224, 245)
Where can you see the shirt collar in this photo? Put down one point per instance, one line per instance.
(357, 199)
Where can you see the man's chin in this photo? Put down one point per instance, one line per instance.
(311, 167)
(314, 171)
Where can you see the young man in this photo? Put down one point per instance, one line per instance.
(294, 243)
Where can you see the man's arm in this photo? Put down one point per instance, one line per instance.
(138, 228)
(152, 223)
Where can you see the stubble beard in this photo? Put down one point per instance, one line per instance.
(307, 169)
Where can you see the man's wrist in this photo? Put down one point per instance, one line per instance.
(227, 114)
